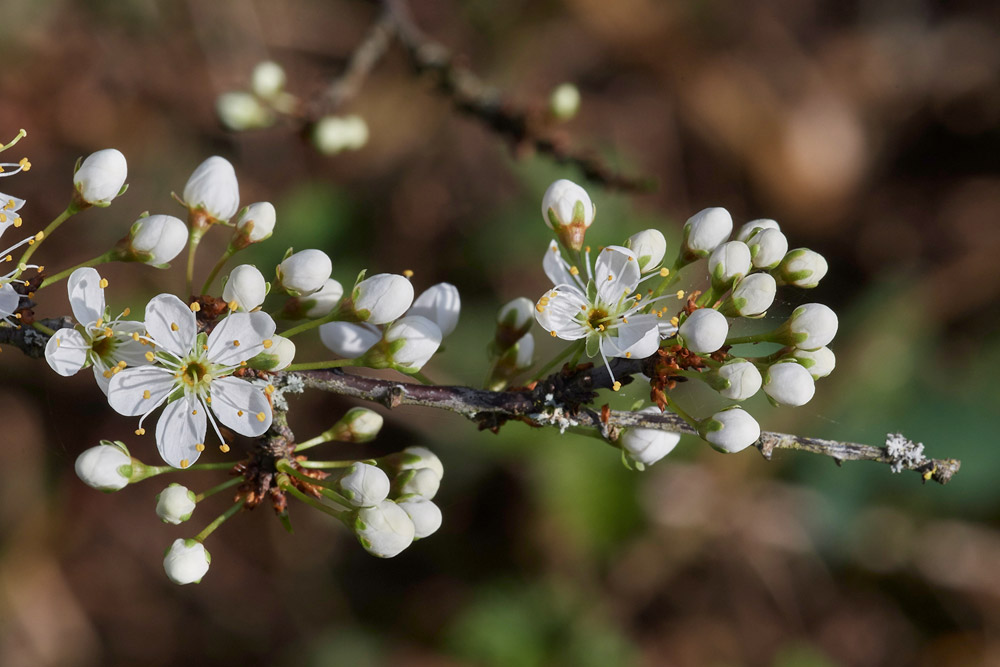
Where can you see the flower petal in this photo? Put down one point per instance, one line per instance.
(554, 266)
(9, 300)
(241, 406)
(239, 337)
(102, 382)
(616, 273)
(180, 430)
(127, 391)
(349, 340)
(171, 324)
(9, 203)
(636, 340)
(86, 296)
(132, 352)
(558, 310)
(66, 351)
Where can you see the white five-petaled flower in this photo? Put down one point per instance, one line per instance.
(604, 311)
(109, 345)
(193, 376)
(10, 300)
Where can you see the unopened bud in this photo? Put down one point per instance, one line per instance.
(810, 327)
(802, 267)
(101, 177)
(705, 231)
(410, 342)
(730, 430)
(254, 224)
(751, 296)
(567, 210)
(268, 79)
(514, 319)
(304, 272)
(384, 530)
(364, 485)
(382, 298)
(819, 363)
(175, 504)
(754, 226)
(275, 358)
(646, 446)
(245, 287)
(789, 383)
(767, 248)
(727, 263)
(739, 379)
(212, 189)
(240, 111)
(106, 467)
(425, 515)
(440, 304)
(704, 331)
(334, 134)
(186, 561)
(155, 240)
(349, 340)
(564, 101)
(423, 482)
(649, 247)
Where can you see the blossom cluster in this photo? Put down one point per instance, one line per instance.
(624, 303)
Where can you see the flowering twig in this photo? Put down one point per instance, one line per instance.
(490, 409)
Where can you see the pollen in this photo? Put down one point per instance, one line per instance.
(631, 259)
(600, 327)
(135, 336)
(674, 321)
(185, 463)
(103, 283)
(261, 416)
(616, 386)
(540, 308)
(610, 277)
(108, 374)
(552, 333)
(126, 312)
(39, 236)
(200, 446)
(108, 332)
(140, 431)
(269, 389)
(628, 355)
(236, 343)
(99, 323)
(204, 346)
(573, 271)
(408, 273)
(194, 412)
(267, 343)
(233, 305)
(680, 294)
(173, 326)
(149, 357)
(195, 307)
(583, 307)
(25, 165)
(17, 223)
(208, 399)
(239, 413)
(664, 273)
(587, 249)
(146, 394)
(625, 320)
(224, 448)
(638, 297)
(122, 364)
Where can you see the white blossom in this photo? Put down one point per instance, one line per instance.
(384, 530)
(516, 314)
(275, 358)
(101, 176)
(646, 446)
(425, 515)
(255, 223)
(649, 247)
(768, 248)
(108, 345)
(156, 239)
(212, 187)
(802, 267)
(705, 231)
(567, 210)
(186, 561)
(789, 383)
(730, 430)
(743, 378)
(192, 375)
(245, 289)
(410, 343)
(604, 311)
(704, 331)
(304, 272)
(364, 485)
(106, 467)
(349, 340)
(382, 298)
(175, 504)
(440, 304)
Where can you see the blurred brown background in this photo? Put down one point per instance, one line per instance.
(868, 129)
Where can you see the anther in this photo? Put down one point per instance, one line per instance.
(146, 394)
(200, 446)
(616, 386)
(103, 283)
(224, 447)
(149, 357)
(173, 326)
(261, 416)
(195, 307)
(185, 463)
(140, 431)
(236, 343)
(233, 305)
(664, 273)
(680, 294)
(267, 343)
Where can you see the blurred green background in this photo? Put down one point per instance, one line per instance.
(868, 129)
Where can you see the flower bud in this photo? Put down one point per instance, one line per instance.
(254, 224)
(730, 430)
(101, 177)
(789, 383)
(425, 515)
(384, 530)
(754, 226)
(268, 79)
(646, 446)
(705, 231)
(275, 358)
(767, 248)
(440, 304)
(704, 331)
(819, 363)
(364, 485)
(423, 482)
(106, 467)
(810, 327)
(411, 342)
(414, 458)
(175, 504)
(349, 340)
(649, 247)
(240, 111)
(727, 263)
(802, 267)
(567, 210)
(245, 288)
(382, 298)
(751, 296)
(213, 189)
(514, 320)
(155, 240)
(359, 425)
(316, 305)
(564, 101)
(525, 352)
(741, 379)
(333, 134)
(304, 272)
(186, 561)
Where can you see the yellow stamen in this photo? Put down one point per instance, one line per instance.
(616, 386)
(126, 312)
(233, 305)
(552, 333)
(140, 431)
(103, 283)
(224, 447)
(261, 416)
(195, 307)
(239, 413)
(408, 273)
(200, 447)
(573, 271)
(680, 294)
(149, 357)
(25, 165)
(185, 463)
(664, 273)
(269, 389)
(173, 326)
(267, 343)
(236, 343)
(146, 394)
